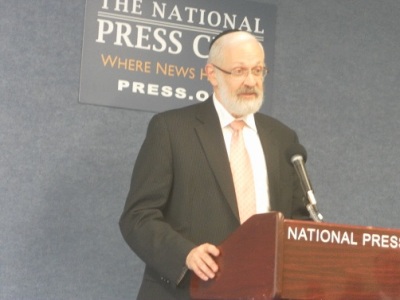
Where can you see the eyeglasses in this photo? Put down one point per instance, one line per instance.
(243, 72)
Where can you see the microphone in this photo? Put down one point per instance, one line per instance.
(297, 156)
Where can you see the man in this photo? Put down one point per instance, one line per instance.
(182, 201)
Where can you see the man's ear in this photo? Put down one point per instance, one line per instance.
(211, 76)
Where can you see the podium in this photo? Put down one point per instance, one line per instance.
(269, 257)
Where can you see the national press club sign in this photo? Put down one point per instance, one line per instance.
(150, 55)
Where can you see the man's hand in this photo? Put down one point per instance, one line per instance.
(201, 261)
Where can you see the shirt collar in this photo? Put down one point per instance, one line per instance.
(225, 118)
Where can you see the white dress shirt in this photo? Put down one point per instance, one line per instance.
(254, 148)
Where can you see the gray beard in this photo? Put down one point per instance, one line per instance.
(238, 107)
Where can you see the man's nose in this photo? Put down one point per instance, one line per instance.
(250, 79)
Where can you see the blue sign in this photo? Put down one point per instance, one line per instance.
(150, 55)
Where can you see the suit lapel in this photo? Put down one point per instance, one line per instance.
(211, 138)
(271, 154)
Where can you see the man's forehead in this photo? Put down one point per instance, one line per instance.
(242, 53)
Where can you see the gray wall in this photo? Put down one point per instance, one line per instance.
(65, 167)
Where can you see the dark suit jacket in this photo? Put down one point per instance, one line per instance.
(182, 192)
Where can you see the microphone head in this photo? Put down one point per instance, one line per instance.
(296, 150)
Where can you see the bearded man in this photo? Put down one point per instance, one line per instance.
(184, 198)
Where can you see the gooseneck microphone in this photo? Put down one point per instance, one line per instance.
(297, 156)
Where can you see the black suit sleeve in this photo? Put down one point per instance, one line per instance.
(143, 223)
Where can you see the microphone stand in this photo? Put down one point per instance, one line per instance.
(297, 156)
(314, 213)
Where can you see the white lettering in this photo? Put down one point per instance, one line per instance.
(191, 11)
(217, 18)
(381, 240)
(122, 84)
(124, 4)
(257, 26)
(324, 236)
(153, 89)
(196, 43)
(136, 7)
(158, 11)
(292, 233)
(141, 37)
(105, 28)
(175, 14)
(105, 4)
(138, 87)
(123, 32)
(212, 18)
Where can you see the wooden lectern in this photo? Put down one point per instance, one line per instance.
(269, 257)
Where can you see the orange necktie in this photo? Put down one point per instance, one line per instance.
(242, 173)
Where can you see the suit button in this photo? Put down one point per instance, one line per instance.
(165, 280)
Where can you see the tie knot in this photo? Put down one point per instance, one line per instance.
(237, 125)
